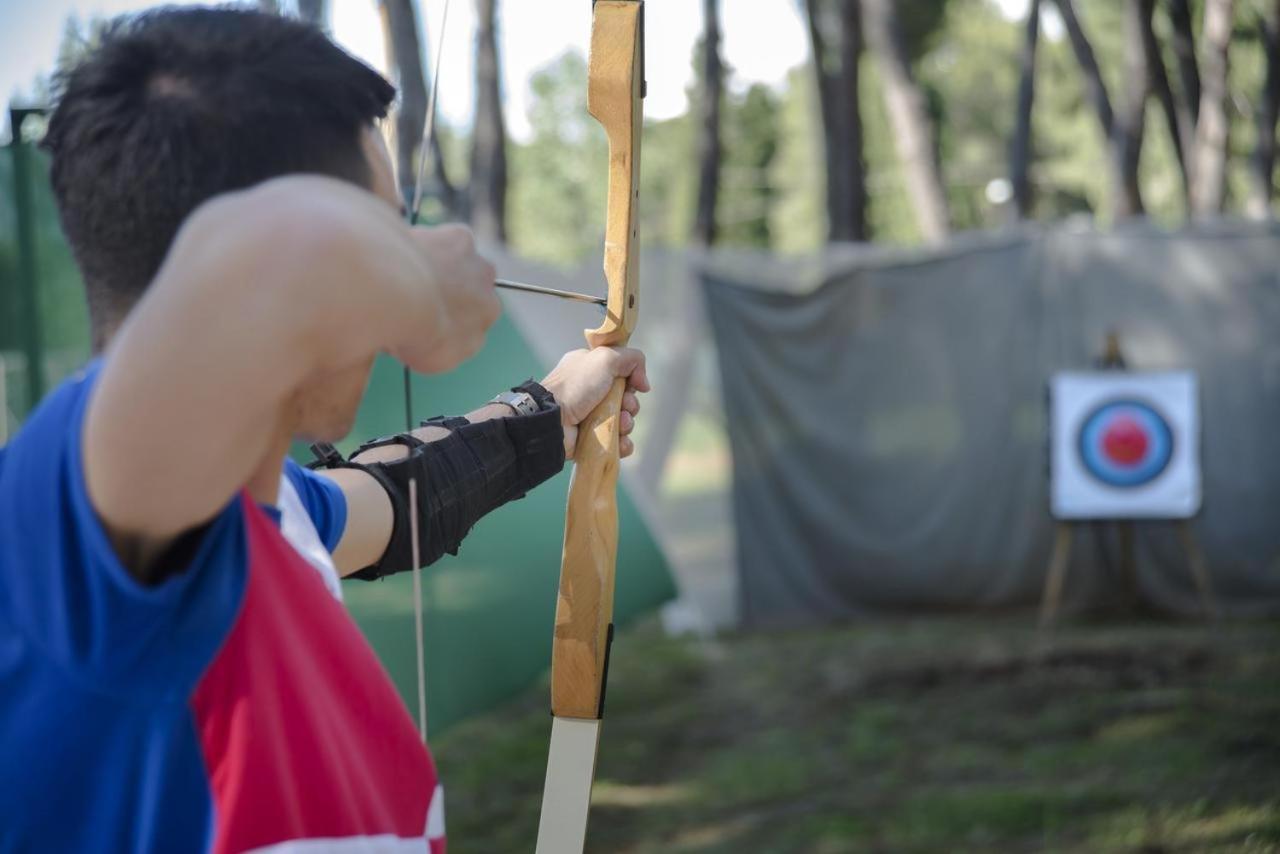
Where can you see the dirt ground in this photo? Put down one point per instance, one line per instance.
(907, 736)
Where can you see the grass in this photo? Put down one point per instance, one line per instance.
(912, 736)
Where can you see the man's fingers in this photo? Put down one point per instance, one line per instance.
(630, 402)
(624, 360)
(626, 447)
(639, 380)
(626, 423)
(629, 362)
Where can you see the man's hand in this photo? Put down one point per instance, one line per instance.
(583, 378)
(464, 283)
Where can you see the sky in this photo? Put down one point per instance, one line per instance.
(763, 40)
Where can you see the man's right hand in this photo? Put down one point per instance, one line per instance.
(465, 284)
(423, 295)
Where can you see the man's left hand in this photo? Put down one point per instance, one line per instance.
(582, 380)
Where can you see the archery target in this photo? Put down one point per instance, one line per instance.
(1124, 445)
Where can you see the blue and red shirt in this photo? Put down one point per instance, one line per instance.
(233, 707)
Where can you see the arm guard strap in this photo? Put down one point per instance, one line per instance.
(461, 477)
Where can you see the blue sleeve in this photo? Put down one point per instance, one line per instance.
(65, 595)
(325, 502)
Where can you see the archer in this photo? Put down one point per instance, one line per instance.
(178, 672)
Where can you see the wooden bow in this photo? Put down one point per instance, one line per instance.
(584, 610)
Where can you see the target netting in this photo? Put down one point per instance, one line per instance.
(887, 412)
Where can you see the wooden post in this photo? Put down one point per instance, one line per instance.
(1199, 569)
(1057, 576)
(1128, 565)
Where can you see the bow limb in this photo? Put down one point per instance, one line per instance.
(584, 609)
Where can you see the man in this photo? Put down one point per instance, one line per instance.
(176, 672)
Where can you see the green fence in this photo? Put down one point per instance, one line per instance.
(43, 323)
(489, 611)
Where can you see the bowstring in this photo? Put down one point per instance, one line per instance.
(425, 153)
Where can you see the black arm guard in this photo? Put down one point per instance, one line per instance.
(461, 477)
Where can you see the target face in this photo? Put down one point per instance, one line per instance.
(1125, 443)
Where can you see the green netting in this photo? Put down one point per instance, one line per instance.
(61, 335)
(489, 611)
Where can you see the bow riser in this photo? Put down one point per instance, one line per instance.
(585, 606)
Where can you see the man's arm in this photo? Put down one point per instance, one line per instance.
(257, 296)
(369, 512)
(578, 383)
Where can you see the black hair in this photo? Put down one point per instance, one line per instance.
(178, 105)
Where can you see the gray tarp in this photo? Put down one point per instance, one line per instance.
(887, 416)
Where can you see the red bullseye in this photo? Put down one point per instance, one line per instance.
(1124, 441)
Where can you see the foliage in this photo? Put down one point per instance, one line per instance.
(557, 194)
(966, 57)
(746, 186)
(923, 24)
(797, 217)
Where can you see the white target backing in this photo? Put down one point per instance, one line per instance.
(1124, 445)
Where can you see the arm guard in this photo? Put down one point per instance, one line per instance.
(461, 477)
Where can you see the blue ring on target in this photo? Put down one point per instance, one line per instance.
(1125, 443)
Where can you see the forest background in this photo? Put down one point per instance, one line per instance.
(920, 118)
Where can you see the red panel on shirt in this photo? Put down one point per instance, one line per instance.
(303, 732)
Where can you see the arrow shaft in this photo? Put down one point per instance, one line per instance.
(550, 292)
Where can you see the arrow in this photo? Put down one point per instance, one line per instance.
(551, 292)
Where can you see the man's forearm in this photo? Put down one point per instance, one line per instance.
(370, 516)
(433, 433)
(466, 467)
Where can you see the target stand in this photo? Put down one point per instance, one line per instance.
(1124, 447)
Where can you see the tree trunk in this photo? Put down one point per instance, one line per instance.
(849, 106)
(1020, 147)
(837, 84)
(1130, 124)
(400, 30)
(709, 148)
(1175, 116)
(1209, 158)
(1184, 48)
(911, 124)
(488, 205)
(1123, 134)
(1095, 87)
(1264, 156)
(313, 12)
